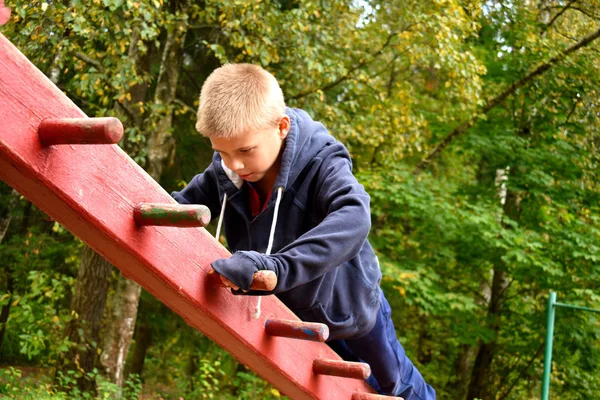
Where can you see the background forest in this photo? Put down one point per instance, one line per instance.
(473, 125)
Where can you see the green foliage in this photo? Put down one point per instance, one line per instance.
(36, 315)
(186, 363)
(11, 386)
(14, 386)
(42, 264)
(249, 386)
(515, 196)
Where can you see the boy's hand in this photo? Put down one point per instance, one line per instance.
(237, 270)
(226, 282)
(217, 278)
(244, 271)
(263, 281)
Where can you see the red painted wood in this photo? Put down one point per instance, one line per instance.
(357, 370)
(106, 130)
(92, 191)
(297, 329)
(181, 215)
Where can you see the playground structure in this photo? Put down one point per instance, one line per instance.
(69, 166)
(550, 318)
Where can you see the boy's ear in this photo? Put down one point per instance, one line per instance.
(284, 126)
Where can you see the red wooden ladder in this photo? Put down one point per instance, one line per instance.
(68, 166)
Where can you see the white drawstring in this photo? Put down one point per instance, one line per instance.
(274, 223)
(270, 245)
(221, 217)
(271, 235)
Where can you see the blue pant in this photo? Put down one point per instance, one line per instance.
(392, 373)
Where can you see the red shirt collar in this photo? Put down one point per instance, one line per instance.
(254, 199)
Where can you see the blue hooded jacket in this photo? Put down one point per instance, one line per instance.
(326, 268)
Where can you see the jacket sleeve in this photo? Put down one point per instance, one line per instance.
(337, 239)
(202, 189)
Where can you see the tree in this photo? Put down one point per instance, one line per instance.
(84, 329)
(447, 107)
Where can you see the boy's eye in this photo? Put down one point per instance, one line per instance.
(246, 150)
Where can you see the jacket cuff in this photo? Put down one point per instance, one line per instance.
(179, 198)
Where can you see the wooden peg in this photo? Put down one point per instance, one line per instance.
(312, 331)
(105, 130)
(341, 368)
(180, 215)
(262, 280)
(4, 13)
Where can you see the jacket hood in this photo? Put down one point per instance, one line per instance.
(303, 142)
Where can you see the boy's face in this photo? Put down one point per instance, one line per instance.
(253, 155)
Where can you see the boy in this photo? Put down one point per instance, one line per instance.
(269, 157)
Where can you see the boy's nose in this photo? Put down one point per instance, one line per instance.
(237, 165)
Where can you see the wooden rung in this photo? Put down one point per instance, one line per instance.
(312, 331)
(370, 396)
(180, 215)
(345, 369)
(105, 130)
(263, 280)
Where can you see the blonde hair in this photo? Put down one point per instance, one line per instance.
(236, 98)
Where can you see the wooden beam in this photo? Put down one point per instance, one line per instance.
(92, 190)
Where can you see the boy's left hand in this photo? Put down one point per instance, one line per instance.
(238, 271)
(226, 282)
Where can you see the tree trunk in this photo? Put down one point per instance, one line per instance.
(118, 338)
(89, 301)
(87, 307)
(159, 147)
(161, 144)
(191, 369)
(120, 319)
(143, 339)
(6, 308)
(463, 368)
(55, 70)
(466, 360)
(130, 111)
(479, 386)
(6, 218)
(424, 355)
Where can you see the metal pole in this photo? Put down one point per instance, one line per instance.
(594, 310)
(548, 351)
